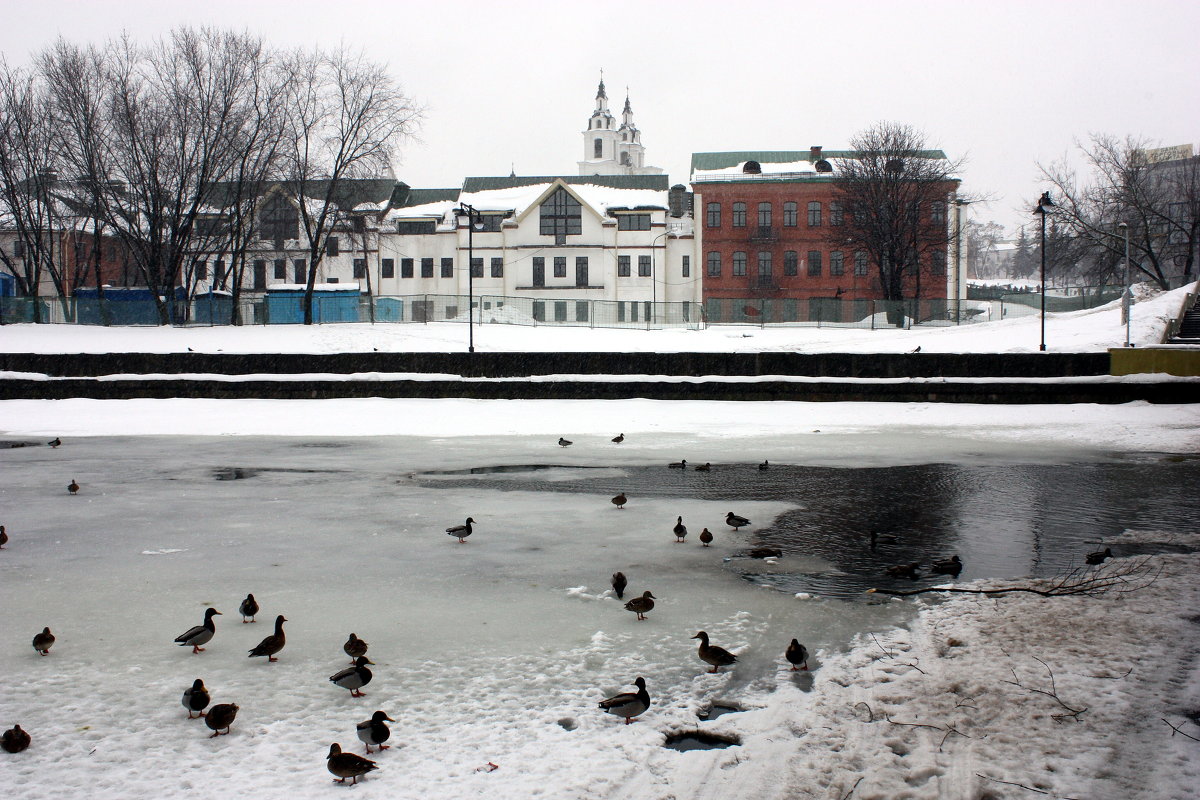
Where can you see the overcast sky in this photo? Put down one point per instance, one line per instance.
(511, 84)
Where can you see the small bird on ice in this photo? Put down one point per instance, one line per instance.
(564, 442)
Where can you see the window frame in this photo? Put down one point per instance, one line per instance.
(739, 215)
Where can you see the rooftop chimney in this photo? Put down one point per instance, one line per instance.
(814, 154)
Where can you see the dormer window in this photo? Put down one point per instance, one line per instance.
(561, 216)
(752, 168)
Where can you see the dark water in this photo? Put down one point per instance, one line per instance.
(1006, 520)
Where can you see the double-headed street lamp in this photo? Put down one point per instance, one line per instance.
(1127, 297)
(1043, 208)
(473, 222)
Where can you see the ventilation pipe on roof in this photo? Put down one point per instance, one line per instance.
(814, 153)
(675, 199)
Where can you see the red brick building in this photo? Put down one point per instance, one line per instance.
(768, 226)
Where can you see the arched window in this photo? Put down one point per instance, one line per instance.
(752, 168)
(598, 148)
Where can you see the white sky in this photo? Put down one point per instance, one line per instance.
(1005, 84)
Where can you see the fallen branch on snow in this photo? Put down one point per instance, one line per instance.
(1121, 577)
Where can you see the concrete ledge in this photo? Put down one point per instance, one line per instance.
(1181, 360)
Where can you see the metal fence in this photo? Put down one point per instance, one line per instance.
(1075, 298)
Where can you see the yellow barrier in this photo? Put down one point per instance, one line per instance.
(1183, 361)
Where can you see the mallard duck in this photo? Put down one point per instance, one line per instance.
(711, 654)
(353, 678)
(705, 467)
(55, 442)
(347, 765)
(73, 487)
(735, 522)
(680, 530)
(201, 634)
(196, 699)
(374, 732)
(764, 465)
(3, 537)
(678, 464)
(797, 655)
(947, 566)
(620, 437)
(461, 531)
(355, 647)
(620, 500)
(641, 605)
(43, 641)
(706, 537)
(564, 442)
(629, 705)
(272, 644)
(619, 583)
(14, 740)
(220, 717)
(904, 570)
(1099, 556)
(248, 608)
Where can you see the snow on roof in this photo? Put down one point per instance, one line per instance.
(768, 168)
(435, 210)
(601, 198)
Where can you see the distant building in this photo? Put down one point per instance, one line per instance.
(767, 225)
(611, 149)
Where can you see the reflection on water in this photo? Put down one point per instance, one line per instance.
(1004, 520)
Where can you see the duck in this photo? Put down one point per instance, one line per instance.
(219, 717)
(764, 552)
(201, 634)
(1099, 556)
(706, 537)
(564, 442)
(43, 641)
(705, 467)
(618, 584)
(354, 678)
(641, 605)
(904, 570)
(711, 654)
(355, 647)
(347, 765)
(735, 522)
(14, 740)
(797, 655)
(196, 699)
(947, 566)
(680, 530)
(620, 500)
(461, 531)
(764, 465)
(620, 437)
(678, 464)
(272, 644)
(248, 608)
(73, 487)
(629, 705)
(374, 732)
(55, 442)
(3, 537)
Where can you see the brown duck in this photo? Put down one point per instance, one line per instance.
(220, 717)
(43, 641)
(355, 647)
(347, 765)
(272, 644)
(196, 699)
(711, 654)
(620, 500)
(14, 740)
(641, 605)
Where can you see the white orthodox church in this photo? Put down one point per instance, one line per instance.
(612, 150)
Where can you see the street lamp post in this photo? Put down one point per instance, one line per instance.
(653, 285)
(958, 270)
(1127, 297)
(472, 216)
(1043, 208)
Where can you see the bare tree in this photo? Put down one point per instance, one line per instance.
(347, 115)
(894, 190)
(1159, 200)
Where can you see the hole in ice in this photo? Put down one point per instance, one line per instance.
(233, 473)
(324, 444)
(568, 724)
(717, 710)
(1193, 715)
(699, 740)
(503, 469)
(19, 444)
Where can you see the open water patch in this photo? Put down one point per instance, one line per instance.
(243, 473)
(717, 710)
(700, 740)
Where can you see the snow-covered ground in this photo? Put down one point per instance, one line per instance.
(1079, 331)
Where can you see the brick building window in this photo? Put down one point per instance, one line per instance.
(937, 212)
(712, 217)
(739, 263)
(814, 214)
(791, 263)
(814, 263)
(790, 215)
(937, 262)
(387, 268)
(764, 215)
(765, 267)
(622, 266)
(837, 263)
(739, 215)
(448, 268)
(643, 266)
(860, 262)
(497, 268)
(406, 268)
(836, 216)
(714, 264)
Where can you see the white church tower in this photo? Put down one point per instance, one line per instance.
(609, 150)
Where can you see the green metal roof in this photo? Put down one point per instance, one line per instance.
(409, 197)
(708, 161)
(659, 183)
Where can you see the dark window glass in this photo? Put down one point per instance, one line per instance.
(814, 263)
(448, 268)
(764, 215)
(219, 273)
(622, 266)
(560, 266)
(387, 268)
(281, 269)
(643, 266)
(814, 214)
(416, 226)
(539, 271)
(598, 148)
(260, 274)
(331, 246)
(300, 270)
(426, 267)
(560, 310)
(687, 267)
(791, 263)
(835, 214)
(765, 263)
(937, 212)
(561, 216)
(278, 220)
(201, 270)
(739, 263)
(837, 263)
(860, 262)
(789, 215)
(360, 268)
(476, 267)
(739, 215)
(633, 222)
(938, 262)
(714, 264)
(713, 215)
(581, 310)
(497, 267)
(406, 268)
(489, 223)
